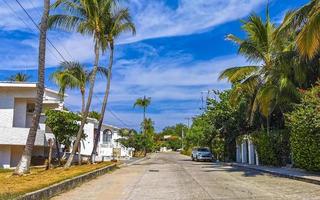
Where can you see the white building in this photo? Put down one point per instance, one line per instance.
(17, 103)
(108, 144)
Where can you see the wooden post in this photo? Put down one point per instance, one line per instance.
(50, 142)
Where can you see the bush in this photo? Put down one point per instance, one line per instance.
(186, 152)
(304, 123)
(273, 148)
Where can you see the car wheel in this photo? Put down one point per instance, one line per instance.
(192, 158)
(197, 158)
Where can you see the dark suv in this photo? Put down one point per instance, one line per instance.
(201, 153)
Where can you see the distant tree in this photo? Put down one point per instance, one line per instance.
(143, 103)
(94, 115)
(20, 77)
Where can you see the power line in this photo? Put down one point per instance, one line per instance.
(113, 114)
(39, 13)
(26, 24)
(29, 16)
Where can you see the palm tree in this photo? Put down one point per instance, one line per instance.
(72, 75)
(144, 103)
(305, 21)
(88, 18)
(20, 77)
(118, 22)
(24, 163)
(268, 83)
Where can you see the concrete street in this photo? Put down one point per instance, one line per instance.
(174, 176)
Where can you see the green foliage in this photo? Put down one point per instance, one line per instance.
(175, 141)
(219, 126)
(304, 123)
(20, 77)
(94, 115)
(148, 135)
(273, 148)
(64, 125)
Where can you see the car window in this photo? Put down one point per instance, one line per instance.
(203, 149)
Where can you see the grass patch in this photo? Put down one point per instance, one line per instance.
(5, 170)
(13, 186)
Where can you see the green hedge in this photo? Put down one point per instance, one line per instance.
(273, 148)
(304, 123)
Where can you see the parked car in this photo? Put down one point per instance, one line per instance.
(201, 154)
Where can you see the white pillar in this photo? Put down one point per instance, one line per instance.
(238, 153)
(257, 157)
(5, 156)
(244, 152)
(251, 152)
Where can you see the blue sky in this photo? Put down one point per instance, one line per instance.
(178, 52)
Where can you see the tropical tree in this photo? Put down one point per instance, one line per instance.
(24, 163)
(118, 22)
(74, 75)
(143, 103)
(305, 21)
(270, 82)
(95, 115)
(88, 18)
(64, 126)
(20, 77)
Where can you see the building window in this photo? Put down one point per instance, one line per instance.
(30, 107)
(106, 137)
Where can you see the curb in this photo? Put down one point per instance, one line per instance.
(294, 177)
(55, 189)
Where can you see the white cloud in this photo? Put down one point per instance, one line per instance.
(178, 79)
(155, 19)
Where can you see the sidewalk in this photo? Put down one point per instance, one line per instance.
(292, 173)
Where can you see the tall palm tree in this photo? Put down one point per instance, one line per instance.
(143, 103)
(305, 21)
(20, 77)
(24, 163)
(88, 18)
(267, 83)
(117, 23)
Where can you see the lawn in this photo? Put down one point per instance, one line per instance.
(13, 186)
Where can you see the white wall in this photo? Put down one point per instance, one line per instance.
(87, 144)
(6, 109)
(19, 116)
(5, 152)
(18, 136)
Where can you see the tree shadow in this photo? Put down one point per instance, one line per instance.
(245, 172)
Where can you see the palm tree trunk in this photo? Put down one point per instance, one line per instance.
(88, 104)
(82, 100)
(24, 163)
(104, 103)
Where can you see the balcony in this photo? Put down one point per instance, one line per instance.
(18, 136)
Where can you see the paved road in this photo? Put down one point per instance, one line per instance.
(174, 176)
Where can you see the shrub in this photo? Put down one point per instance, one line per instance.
(186, 152)
(304, 123)
(273, 148)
